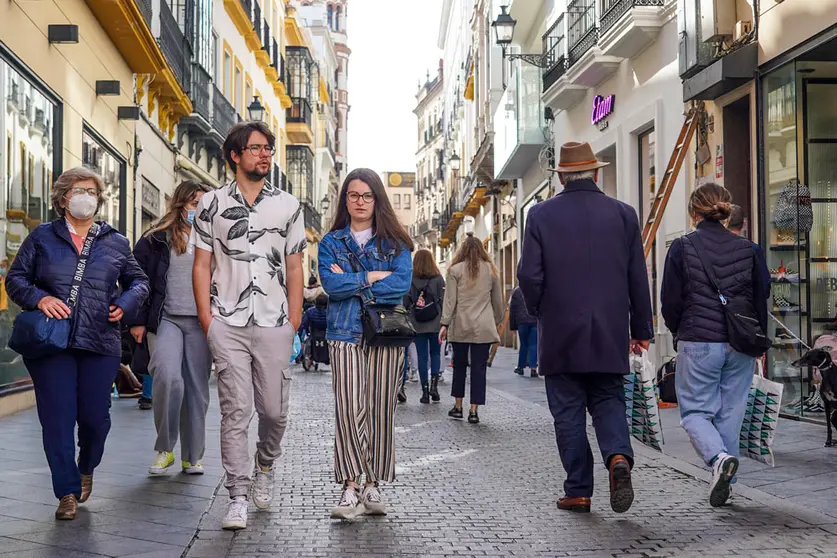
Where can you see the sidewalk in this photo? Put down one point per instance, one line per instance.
(129, 514)
(805, 471)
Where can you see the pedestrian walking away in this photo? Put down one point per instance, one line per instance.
(249, 238)
(713, 379)
(79, 270)
(364, 259)
(410, 369)
(311, 292)
(180, 359)
(425, 301)
(473, 309)
(587, 316)
(526, 327)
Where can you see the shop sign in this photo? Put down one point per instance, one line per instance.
(719, 161)
(150, 198)
(602, 108)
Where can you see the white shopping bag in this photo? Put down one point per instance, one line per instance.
(761, 418)
(642, 411)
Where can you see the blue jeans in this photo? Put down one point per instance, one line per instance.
(72, 388)
(528, 353)
(713, 382)
(428, 347)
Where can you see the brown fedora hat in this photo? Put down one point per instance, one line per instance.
(577, 157)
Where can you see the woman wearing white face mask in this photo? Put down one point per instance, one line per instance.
(180, 357)
(72, 269)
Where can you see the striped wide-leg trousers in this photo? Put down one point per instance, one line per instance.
(365, 381)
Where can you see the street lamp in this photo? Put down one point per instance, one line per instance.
(454, 162)
(325, 203)
(436, 218)
(256, 110)
(504, 33)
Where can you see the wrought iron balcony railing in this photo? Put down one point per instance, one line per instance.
(300, 111)
(200, 91)
(266, 46)
(581, 28)
(613, 10)
(174, 46)
(554, 49)
(275, 61)
(147, 10)
(223, 114)
(247, 5)
(313, 219)
(257, 18)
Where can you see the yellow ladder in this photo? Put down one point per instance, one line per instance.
(649, 231)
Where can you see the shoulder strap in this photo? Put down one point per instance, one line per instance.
(353, 257)
(695, 241)
(81, 266)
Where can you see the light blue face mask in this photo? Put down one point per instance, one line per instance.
(190, 215)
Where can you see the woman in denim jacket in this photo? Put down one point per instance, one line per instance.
(365, 257)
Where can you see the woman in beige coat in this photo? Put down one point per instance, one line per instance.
(473, 309)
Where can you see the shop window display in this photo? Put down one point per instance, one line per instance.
(102, 160)
(27, 167)
(801, 203)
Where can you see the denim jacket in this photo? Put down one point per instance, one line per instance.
(346, 291)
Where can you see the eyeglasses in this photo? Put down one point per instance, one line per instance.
(80, 191)
(256, 150)
(354, 197)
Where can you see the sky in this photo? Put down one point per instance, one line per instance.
(393, 45)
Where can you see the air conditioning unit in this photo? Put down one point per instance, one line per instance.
(742, 28)
(717, 20)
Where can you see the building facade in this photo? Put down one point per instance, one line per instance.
(400, 187)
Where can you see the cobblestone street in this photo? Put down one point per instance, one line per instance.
(462, 490)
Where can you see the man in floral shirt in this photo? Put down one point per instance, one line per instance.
(248, 282)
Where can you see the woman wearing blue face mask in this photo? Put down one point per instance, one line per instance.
(168, 322)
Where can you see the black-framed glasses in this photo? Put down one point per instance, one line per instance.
(354, 197)
(256, 150)
(81, 191)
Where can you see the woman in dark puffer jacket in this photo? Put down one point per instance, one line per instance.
(74, 386)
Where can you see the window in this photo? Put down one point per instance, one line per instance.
(397, 201)
(101, 158)
(406, 201)
(237, 87)
(647, 190)
(202, 44)
(228, 73)
(337, 19)
(248, 95)
(330, 15)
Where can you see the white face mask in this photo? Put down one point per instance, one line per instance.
(82, 206)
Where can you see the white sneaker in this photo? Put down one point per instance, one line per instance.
(723, 470)
(236, 517)
(261, 489)
(413, 376)
(162, 462)
(349, 506)
(372, 501)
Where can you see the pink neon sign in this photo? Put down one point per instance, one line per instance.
(602, 107)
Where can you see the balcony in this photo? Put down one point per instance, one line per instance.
(313, 219)
(518, 122)
(554, 49)
(627, 27)
(300, 165)
(588, 65)
(199, 92)
(298, 120)
(147, 10)
(223, 113)
(263, 54)
(174, 47)
(241, 14)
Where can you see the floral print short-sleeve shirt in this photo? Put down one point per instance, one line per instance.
(249, 245)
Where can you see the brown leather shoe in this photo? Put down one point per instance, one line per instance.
(86, 488)
(578, 505)
(621, 490)
(67, 508)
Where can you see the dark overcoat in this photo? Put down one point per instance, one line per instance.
(583, 276)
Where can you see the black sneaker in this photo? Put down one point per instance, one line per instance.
(145, 404)
(473, 417)
(518, 371)
(456, 412)
(534, 373)
(402, 395)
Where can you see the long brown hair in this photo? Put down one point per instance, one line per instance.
(173, 222)
(472, 252)
(710, 202)
(424, 266)
(384, 221)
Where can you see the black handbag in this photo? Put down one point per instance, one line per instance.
(743, 328)
(384, 325)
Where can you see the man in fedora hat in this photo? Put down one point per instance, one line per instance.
(583, 275)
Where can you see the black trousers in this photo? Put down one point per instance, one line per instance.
(570, 396)
(474, 355)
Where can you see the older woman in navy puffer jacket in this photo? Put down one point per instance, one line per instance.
(73, 386)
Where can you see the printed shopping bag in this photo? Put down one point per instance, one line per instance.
(642, 411)
(761, 418)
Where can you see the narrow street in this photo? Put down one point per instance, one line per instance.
(462, 490)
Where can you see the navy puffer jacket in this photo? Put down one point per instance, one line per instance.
(45, 265)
